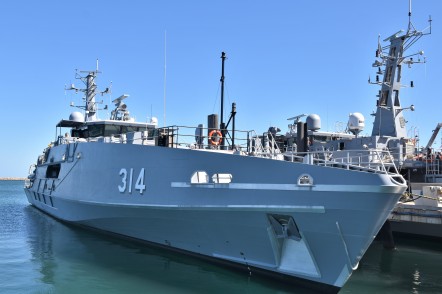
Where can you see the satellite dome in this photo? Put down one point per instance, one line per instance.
(313, 122)
(356, 123)
(154, 120)
(76, 116)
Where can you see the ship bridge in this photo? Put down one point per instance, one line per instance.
(104, 128)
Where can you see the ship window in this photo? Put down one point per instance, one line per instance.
(95, 130)
(110, 130)
(305, 180)
(322, 138)
(129, 129)
(79, 133)
(199, 177)
(222, 178)
(52, 171)
(341, 145)
(152, 133)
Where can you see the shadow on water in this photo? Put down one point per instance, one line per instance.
(73, 259)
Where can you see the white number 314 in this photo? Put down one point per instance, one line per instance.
(127, 183)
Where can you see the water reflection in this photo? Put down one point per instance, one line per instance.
(41, 255)
(413, 267)
(72, 259)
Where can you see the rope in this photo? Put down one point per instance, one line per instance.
(409, 197)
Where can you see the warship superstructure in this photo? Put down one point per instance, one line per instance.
(420, 210)
(223, 194)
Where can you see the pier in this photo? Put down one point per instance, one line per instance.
(421, 216)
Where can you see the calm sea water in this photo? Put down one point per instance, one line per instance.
(41, 255)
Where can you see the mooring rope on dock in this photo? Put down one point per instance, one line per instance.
(408, 196)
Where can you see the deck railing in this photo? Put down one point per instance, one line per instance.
(251, 144)
(373, 160)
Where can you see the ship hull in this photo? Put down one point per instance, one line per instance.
(335, 219)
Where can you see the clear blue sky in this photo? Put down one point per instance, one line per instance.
(284, 58)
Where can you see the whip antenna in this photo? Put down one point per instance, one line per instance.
(165, 68)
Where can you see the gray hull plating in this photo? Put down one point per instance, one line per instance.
(146, 192)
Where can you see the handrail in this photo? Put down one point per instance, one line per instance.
(378, 161)
(252, 144)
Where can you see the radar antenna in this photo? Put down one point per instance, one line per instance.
(389, 120)
(90, 91)
(296, 118)
(120, 112)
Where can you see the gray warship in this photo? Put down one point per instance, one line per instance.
(230, 196)
(420, 210)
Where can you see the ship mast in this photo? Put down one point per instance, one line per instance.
(222, 125)
(389, 119)
(90, 92)
(91, 87)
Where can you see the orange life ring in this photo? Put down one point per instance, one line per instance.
(219, 136)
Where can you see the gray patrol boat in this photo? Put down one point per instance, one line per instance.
(227, 195)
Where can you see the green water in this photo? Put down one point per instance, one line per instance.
(41, 255)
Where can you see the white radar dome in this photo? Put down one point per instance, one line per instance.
(76, 116)
(313, 122)
(356, 123)
(154, 120)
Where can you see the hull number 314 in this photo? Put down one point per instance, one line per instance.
(127, 181)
